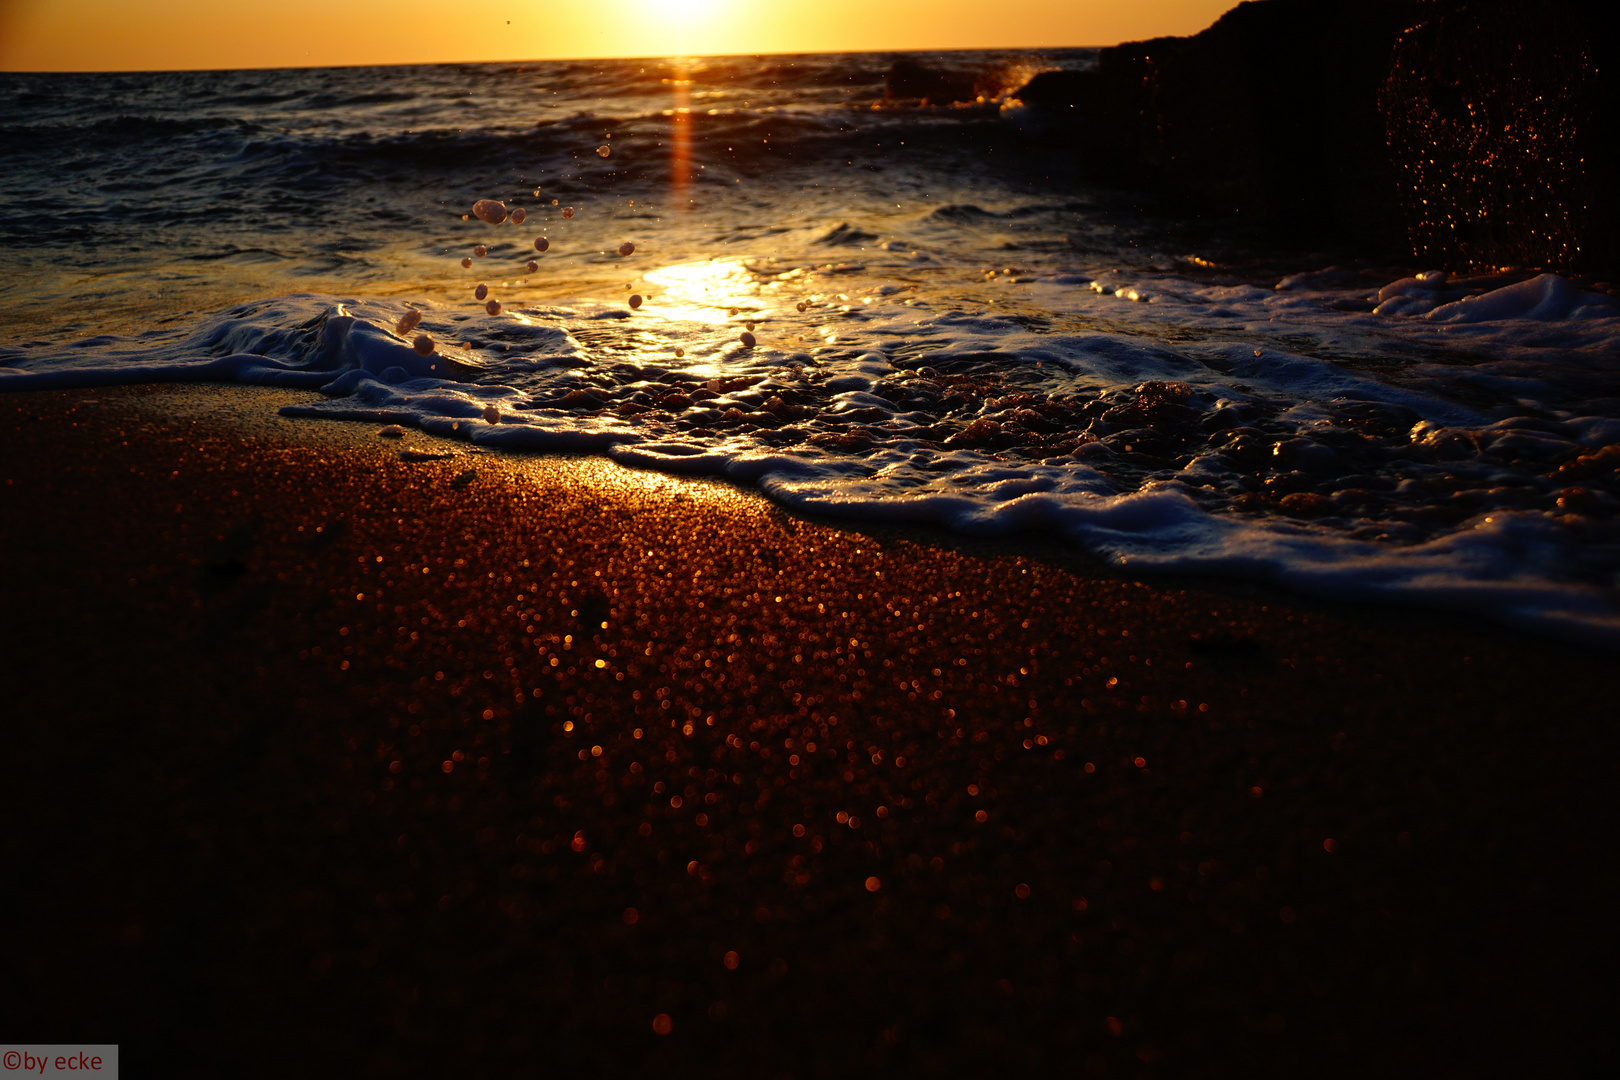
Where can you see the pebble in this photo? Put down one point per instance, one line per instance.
(492, 414)
(466, 264)
(407, 322)
(481, 292)
(627, 249)
(519, 216)
(568, 211)
(541, 243)
(392, 431)
(493, 307)
(479, 252)
(423, 344)
(747, 340)
(532, 267)
(490, 210)
(635, 300)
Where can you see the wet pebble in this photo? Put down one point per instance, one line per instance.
(541, 243)
(482, 291)
(392, 431)
(407, 322)
(635, 300)
(493, 307)
(492, 414)
(423, 344)
(627, 249)
(490, 210)
(519, 216)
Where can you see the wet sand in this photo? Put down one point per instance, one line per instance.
(325, 759)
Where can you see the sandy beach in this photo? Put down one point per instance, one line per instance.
(304, 774)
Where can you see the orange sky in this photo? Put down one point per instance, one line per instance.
(111, 35)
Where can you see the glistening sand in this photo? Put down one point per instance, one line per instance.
(238, 848)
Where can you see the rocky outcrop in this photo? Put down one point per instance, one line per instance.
(1467, 133)
(1502, 130)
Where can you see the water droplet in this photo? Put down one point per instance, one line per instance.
(748, 326)
(604, 151)
(481, 292)
(568, 211)
(533, 266)
(466, 264)
(493, 307)
(747, 340)
(423, 344)
(627, 249)
(490, 210)
(519, 216)
(635, 300)
(480, 251)
(492, 414)
(407, 322)
(680, 352)
(541, 243)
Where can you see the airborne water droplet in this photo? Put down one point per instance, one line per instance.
(627, 249)
(490, 210)
(533, 266)
(466, 264)
(493, 307)
(604, 151)
(423, 344)
(568, 211)
(481, 292)
(407, 322)
(541, 243)
(519, 216)
(480, 251)
(747, 340)
(635, 300)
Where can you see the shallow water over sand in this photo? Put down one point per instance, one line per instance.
(946, 325)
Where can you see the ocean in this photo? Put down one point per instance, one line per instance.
(758, 268)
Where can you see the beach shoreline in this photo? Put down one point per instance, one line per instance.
(362, 751)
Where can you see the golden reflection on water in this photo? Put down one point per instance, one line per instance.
(706, 292)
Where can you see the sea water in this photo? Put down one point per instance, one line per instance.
(760, 269)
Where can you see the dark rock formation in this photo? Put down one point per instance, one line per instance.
(1501, 119)
(909, 79)
(1271, 113)
(1470, 133)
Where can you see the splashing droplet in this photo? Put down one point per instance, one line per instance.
(481, 292)
(466, 264)
(492, 414)
(480, 251)
(748, 326)
(680, 352)
(519, 216)
(568, 211)
(423, 344)
(635, 300)
(541, 243)
(747, 340)
(803, 306)
(493, 307)
(407, 322)
(604, 151)
(490, 210)
(627, 249)
(532, 267)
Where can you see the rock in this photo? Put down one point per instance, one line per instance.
(1058, 89)
(909, 79)
(1502, 126)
